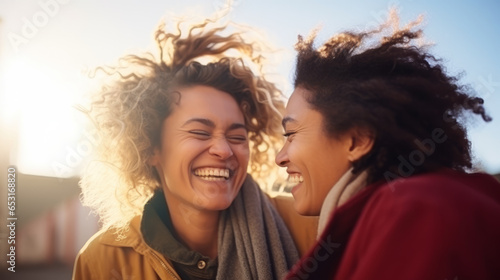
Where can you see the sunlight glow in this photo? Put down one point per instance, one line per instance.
(39, 101)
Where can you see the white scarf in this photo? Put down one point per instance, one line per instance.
(346, 187)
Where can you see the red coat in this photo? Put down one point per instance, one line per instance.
(439, 226)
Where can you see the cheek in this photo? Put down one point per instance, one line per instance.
(176, 159)
(301, 153)
(242, 153)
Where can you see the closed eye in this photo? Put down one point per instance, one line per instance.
(200, 133)
(236, 139)
(288, 135)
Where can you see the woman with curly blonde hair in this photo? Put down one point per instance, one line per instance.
(170, 181)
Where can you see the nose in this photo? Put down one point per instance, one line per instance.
(282, 157)
(220, 148)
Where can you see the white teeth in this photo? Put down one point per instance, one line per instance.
(295, 179)
(212, 174)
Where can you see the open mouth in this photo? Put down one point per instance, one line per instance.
(295, 178)
(213, 174)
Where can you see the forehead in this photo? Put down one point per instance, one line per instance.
(298, 108)
(205, 101)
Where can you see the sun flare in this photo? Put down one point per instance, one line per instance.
(38, 104)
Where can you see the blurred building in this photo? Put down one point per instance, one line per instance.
(51, 228)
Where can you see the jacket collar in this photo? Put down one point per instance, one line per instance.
(130, 238)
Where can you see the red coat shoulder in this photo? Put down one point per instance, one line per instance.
(441, 225)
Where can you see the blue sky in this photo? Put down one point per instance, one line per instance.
(45, 45)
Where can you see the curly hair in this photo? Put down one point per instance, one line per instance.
(128, 112)
(396, 91)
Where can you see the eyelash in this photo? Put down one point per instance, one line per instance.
(288, 134)
(199, 132)
(206, 134)
(237, 138)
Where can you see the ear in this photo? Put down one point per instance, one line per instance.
(361, 143)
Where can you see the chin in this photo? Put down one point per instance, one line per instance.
(218, 203)
(216, 207)
(304, 210)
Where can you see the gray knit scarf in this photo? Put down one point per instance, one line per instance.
(254, 242)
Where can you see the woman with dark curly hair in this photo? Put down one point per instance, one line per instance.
(377, 146)
(178, 134)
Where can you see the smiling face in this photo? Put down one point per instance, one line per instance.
(204, 153)
(314, 160)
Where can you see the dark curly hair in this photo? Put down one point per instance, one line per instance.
(396, 91)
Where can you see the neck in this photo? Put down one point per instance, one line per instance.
(197, 228)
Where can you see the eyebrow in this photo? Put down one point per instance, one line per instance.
(286, 120)
(206, 122)
(211, 124)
